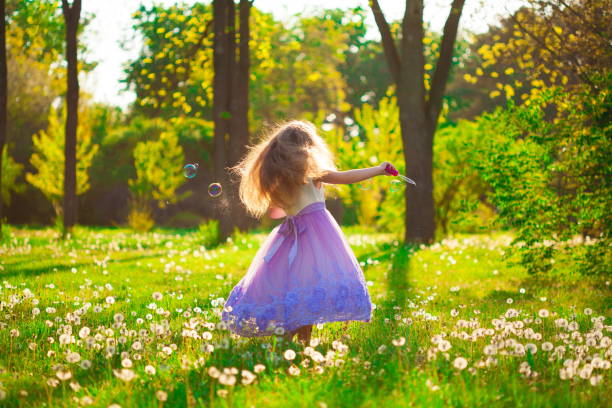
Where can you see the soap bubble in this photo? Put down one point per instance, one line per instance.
(215, 190)
(396, 185)
(190, 170)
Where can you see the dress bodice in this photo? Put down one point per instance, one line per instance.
(307, 195)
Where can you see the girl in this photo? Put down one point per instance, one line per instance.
(305, 272)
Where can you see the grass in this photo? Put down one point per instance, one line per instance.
(152, 302)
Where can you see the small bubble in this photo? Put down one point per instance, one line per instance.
(190, 170)
(215, 190)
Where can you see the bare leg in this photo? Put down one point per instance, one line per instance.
(289, 335)
(304, 334)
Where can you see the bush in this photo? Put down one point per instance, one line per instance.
(209, 233)
(140, 219)
(48, 158)
(548, 165)
(11, 171)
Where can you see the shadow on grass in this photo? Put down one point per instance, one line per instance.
(356, 390)
(23, 269)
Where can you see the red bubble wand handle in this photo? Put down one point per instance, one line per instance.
(392, 171)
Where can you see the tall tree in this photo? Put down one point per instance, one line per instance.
(72, 14)
(230, 100)
(3, 91)
(419, 107)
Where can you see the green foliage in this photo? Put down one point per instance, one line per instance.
(11, 171)
(209, 233)
(173, 75)
(48, 159)
(374, 137)
(548, 165)
(158, 165)
(459, 191)
(295, 68)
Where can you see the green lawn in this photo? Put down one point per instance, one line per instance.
(114, 317)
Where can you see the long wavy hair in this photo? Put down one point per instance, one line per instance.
(273, 170)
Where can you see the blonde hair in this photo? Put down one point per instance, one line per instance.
(274, 169)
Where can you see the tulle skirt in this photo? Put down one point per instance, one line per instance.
(304, 273)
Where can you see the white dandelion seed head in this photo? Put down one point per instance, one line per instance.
(289, 354)
(460, 363)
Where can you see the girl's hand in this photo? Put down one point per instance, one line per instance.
(387, 169)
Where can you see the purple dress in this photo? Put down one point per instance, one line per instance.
(305, 273)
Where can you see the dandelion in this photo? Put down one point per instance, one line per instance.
(490, 350)
(289, 354)
(125, 374)
(110, 300)
(63, 375)
(382, 349)
(73, 357)
(444, 345)
(118, 318)
(588, 311)
(51, 382)
(247, 377)
(293, 370)
(84, 332)
(214, 372)
(431, 385)
(509, 301)
(399, 342)
(532, 348)
(126, 363)
(596, 380)
(75, 386)
(227, 379)
(522, 290)
(85, 364)
(460, 363)
(586, 371)
(161, 395)
(157, 296)
(14, 333)
(258, 368)
(547, 346)
(543, 313)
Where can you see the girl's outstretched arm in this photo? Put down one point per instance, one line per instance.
(355, 175)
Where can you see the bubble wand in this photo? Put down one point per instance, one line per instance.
(392, 171)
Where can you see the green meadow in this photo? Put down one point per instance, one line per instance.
(109, 318)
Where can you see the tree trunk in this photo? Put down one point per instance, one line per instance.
(220, 81)
(221, 95)
(3, 95)
(239, 109)
(72, 14)
(230, 104)
(419, 110)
